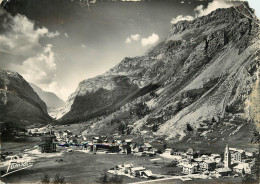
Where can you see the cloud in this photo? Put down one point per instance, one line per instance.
(40, 68)
(201, 11)
(22, 51)
(144, 41)
(60, 91)
(83, 46)
(180, 18)
(135, 37)
(20, 37)
(150, 40)
(128, 40)
(52, 35)
(216, 4)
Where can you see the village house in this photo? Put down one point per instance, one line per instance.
(236, 157)
(189, 168)
(146, 147)
(124, 168)
(96, 140)
(215, 157)
(134, 171)
(137, 171)
(204, 157)
(208, 165)
(184, 162)
(177, 152)
(190, 153)
(249, 154)
(223, 171)
(47, 145)
(168, 151)
(72, 139)
(33, 131)
(67, 133)
(243, 168)
(127, 168)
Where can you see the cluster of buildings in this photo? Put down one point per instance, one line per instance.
(235, 160)
(124, 146)
(130, 170)
(94, 144)
(41, 131)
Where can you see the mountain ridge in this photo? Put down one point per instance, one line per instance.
(147, 70)
(20, 104)
(50, 99)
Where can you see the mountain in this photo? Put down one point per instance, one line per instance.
(196, 80)
(19, 104)
(50, 99)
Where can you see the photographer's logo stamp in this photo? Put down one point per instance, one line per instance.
(17, 164)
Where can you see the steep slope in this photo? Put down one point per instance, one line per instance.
(51, 99)
(205, 68)
(19, 104)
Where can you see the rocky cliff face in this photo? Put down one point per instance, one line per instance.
(51, 99)
(205, 68)
(19, 103)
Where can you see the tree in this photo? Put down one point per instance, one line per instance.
(58, 179)
(248, 178)
(213, 120)
(141, 109)
(45, 179)
(155, 127)
(116, 179)
(103, 177)
(189, 128)
(243, 172)
(121, 128)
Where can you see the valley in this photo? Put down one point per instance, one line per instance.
(187, 111)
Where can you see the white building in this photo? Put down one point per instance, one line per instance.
(243, 167)
(189, 169)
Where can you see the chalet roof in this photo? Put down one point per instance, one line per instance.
(148, 145)
(148, 173)
(190, 151)
(215, 155)
(138, 169)
(241, 166)
(236, 150)
(222, 170)
(168, 149)
(209, 161)
(198, 159)
(128, 165)
(188, 165)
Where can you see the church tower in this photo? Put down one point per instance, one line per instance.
(227, 157)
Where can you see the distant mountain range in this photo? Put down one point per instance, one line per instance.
(51, 99)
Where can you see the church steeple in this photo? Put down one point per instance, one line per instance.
(227, 157)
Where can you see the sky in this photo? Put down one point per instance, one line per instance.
(255, 4)
(65, 42)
